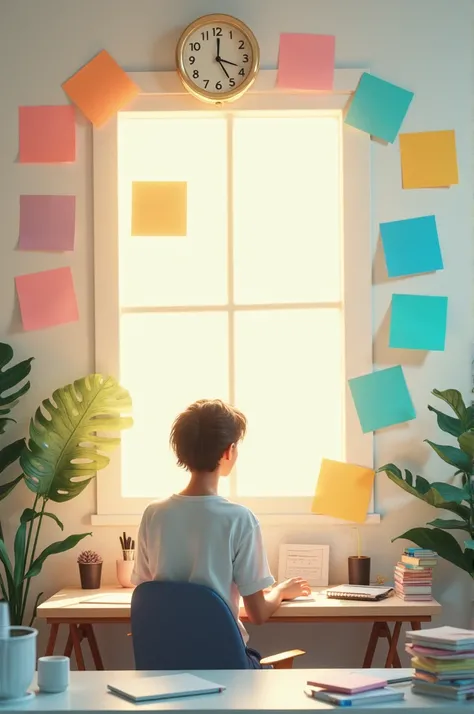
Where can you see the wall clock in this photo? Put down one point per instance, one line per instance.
(217, 58)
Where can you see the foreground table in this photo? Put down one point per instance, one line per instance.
(262, 692)
(80, 610)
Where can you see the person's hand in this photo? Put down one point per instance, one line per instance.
(294, 587)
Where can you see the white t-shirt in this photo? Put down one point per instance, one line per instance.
(206, 540)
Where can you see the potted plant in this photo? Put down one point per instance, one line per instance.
(457, 499)
(69, 437)
(90, 569)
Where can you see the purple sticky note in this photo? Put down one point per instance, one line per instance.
(47, 222)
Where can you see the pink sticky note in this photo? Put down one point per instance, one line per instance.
(47, 135)
(47, 222)
(306, 61)
(47, 298)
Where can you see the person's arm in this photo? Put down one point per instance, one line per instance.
(141, 570)
(252, 576)
(261, 605)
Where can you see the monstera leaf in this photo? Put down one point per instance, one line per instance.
(440, 495)
(70, 433)
(10, 378)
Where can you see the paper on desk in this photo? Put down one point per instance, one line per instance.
(124, 598)
(310, 562)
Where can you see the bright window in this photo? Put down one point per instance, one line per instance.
(250, 306)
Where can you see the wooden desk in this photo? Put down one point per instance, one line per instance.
(249, 691)
(80, 610)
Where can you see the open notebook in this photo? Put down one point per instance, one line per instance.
(170, 686)
(359, 592)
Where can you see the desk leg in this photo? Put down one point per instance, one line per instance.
(53, 636)
(393, 660)
(89, 634)
(372, 644)
(75, 635)
(415, 625)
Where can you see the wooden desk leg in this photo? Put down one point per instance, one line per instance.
(53, 636)
(372, 644)
(393, 660)
(415, 625)
(90, 636)
(75, 636)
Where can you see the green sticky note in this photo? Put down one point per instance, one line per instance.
(382, 399)
(378, 107)
(418, 322)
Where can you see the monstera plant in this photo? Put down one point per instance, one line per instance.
(458, 500)
(69, 437)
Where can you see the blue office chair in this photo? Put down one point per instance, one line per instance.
(178, 626)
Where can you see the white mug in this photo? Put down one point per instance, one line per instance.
(53, 674)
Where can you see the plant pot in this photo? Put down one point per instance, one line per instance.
(17, 663)
(124, 572)
(90, 574)
(359, 570)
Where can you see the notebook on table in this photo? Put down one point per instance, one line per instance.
(359, 592)
(171, 686)
(346, 683)
(373, 696)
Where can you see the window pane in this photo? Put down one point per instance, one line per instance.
(289, 383)
(167, 362)
(188, 270)
(287, 210)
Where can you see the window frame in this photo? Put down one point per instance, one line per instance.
(163, 92)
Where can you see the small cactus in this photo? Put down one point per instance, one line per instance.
(89, 557)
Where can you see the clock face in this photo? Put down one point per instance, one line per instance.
(218, 58)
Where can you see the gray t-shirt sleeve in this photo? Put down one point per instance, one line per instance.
(141, 571)
(250, 567)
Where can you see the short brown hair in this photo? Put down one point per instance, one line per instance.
(201, 434)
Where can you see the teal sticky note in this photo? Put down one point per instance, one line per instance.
(378, 107)
(411, 246)
(418, 322)
(382, 399)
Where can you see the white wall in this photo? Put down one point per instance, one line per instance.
(425, 46)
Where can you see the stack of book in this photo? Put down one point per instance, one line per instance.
(443, 660)
(414, 574)
(347, 689)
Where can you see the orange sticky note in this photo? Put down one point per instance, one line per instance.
(47, 134)
(100, 88)
(343, 491)
(159, 208)
(47, 298)
(429, 159)
(306, 61)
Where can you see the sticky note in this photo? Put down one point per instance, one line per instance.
(100, 88)
(418, 322)
(306, 61)
(47, 135)
(378, 107)
(382, 399)
(47, 222)
(429, 159)
(159, 208)
(47, 298)
(343, 491)
(411, 246)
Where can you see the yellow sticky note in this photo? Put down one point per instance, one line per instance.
(429, 159)
(159, 208)
(343, 491)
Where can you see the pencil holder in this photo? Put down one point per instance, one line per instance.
(124, 572)
(359, 570)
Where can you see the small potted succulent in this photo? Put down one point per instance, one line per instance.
(90, 569)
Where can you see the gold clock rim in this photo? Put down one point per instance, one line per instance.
(204, 94)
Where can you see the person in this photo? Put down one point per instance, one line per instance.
(200, 537)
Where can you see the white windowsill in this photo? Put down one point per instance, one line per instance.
(299, 520)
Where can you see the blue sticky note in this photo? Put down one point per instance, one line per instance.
(411, 246)
(382, 399)
(418, 322)
(378, 107)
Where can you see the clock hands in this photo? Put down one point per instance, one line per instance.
(225, 71)
(221, 61)
(227, 62)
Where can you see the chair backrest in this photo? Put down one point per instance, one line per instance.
(184, 626)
